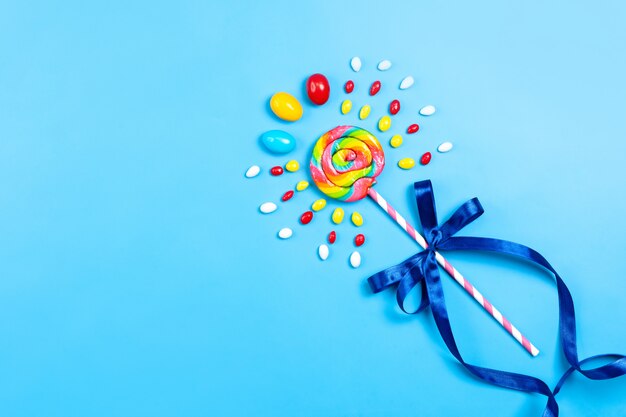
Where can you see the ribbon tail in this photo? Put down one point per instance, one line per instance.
(500, 378)
(567, 316)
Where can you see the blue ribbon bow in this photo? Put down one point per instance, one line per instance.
(421, 269)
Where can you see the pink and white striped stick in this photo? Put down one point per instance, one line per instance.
(463, 282)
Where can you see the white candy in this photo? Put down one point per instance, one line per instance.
(406, 83)
(355, 259)
(285, 233)
(355, 63)
(323, 251)
(444, 147)
(268, 207)
(428, 110)
(253, 171)
(384, 65)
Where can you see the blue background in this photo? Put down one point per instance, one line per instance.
(137, 277)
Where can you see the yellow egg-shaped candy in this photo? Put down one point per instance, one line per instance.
(396, 140)
(357, 219)
(384, 123)
(406, 163)
(337, 215)
(286, 106)
(292, 166)
(302, 185)
(346, 106)
(318, 204)
(364, 112)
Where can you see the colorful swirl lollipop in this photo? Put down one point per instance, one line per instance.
(346, 161)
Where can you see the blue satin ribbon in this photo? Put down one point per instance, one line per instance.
(421, 269)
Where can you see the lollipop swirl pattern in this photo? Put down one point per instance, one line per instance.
(345, 162)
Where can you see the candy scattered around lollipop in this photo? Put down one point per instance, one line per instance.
(347, 159)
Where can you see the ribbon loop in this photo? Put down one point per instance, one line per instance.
(422, 268)
(464, 215)
(426, 206)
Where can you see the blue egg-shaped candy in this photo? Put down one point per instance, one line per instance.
(278, 141)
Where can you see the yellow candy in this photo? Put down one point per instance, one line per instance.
(364, 112)
(337, 215)
(318, 204)
(292, 166)
(396, 140)
(384, 123)
(346, 106)
(302, 185)
(286, 106)
(406, 163)
(357, 219)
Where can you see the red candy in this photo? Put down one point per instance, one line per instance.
(349, 87)
(306, 217)
(332, 236)
(318, 89)
(413, 128)
(394, 107)
(426, 158)
(276, 171)
(359, 239)
(287, 195)
(375, 88)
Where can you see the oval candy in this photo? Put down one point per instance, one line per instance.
(355, 63)
(253, 171)
(332, 236)
(394, 107)
(359, 240)
(384, 123)
(285, 233)
(375, 88)
(287, 196)
(337, 215)
(355, 259)
(346, 106)
(407, 82)
(318, 204)
(349, 86)
(302, 185)
(267, 208)
(384, 65)
(444, 147)
(276, 171)
(292, 166)
(413, 128)
(278, 141)
(396, 140)
(318, 89)
(286, 107)
(428, 110)
(357, 219)
(425, 159)
(406, 163)
(364, 112)
(323, 251)
(306, 217)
